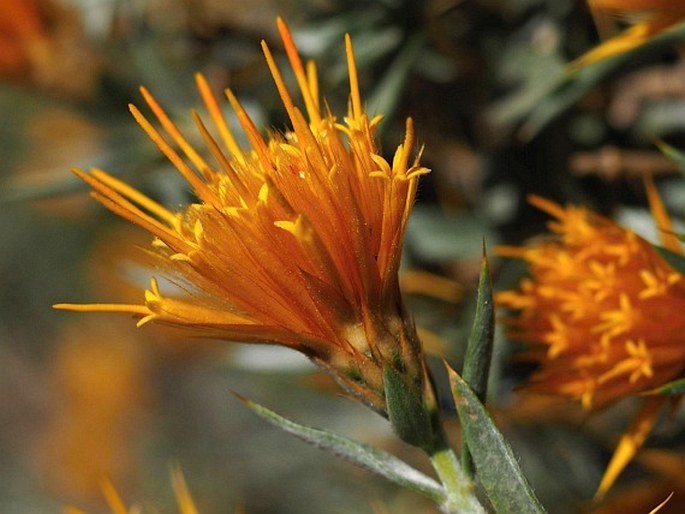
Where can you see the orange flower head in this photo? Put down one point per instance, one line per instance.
(651, 18)
(295, 241)
(22, 31)
(42, 43)
(600, 309)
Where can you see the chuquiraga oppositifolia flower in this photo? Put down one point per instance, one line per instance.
(600, 314)
(295, 241)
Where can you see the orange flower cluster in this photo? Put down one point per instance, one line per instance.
(654, 17)
(601, 308)
(22, 34)
(99, 382)
(295, 241)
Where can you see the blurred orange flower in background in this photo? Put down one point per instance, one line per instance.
(651, 17)
(23, 36)
(98, 376)
(600, 311)
(42, 43)
(100, 380)
(599, 307)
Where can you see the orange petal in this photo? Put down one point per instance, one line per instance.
(116, 504)
(183, 498)
(627, 40)
(630, 443)
(661, 217)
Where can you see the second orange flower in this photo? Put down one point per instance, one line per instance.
(601, 309)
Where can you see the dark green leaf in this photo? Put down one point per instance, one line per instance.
(479, 350)
(498, 471)
(672, 388)
(672, 153)
(406, 409)
(675, 260)
(364, 455)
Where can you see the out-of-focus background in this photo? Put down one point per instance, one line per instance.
(84, 397)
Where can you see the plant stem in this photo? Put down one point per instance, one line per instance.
(460, 490)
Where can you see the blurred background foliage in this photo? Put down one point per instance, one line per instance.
(486, 82)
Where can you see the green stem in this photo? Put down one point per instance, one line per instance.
(459, 489)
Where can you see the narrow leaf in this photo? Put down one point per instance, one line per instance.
(479, 349)
(670, 389)
(387, 93)
(675, 260)
(498, 471)
(570, 88)
(672, 153)
(363, 455)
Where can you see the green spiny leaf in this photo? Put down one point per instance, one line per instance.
(364, 455)
(479, 350)
(498, 471)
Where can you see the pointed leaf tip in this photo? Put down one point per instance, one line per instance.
(476, 370)
(677, 156)
(479, 349)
